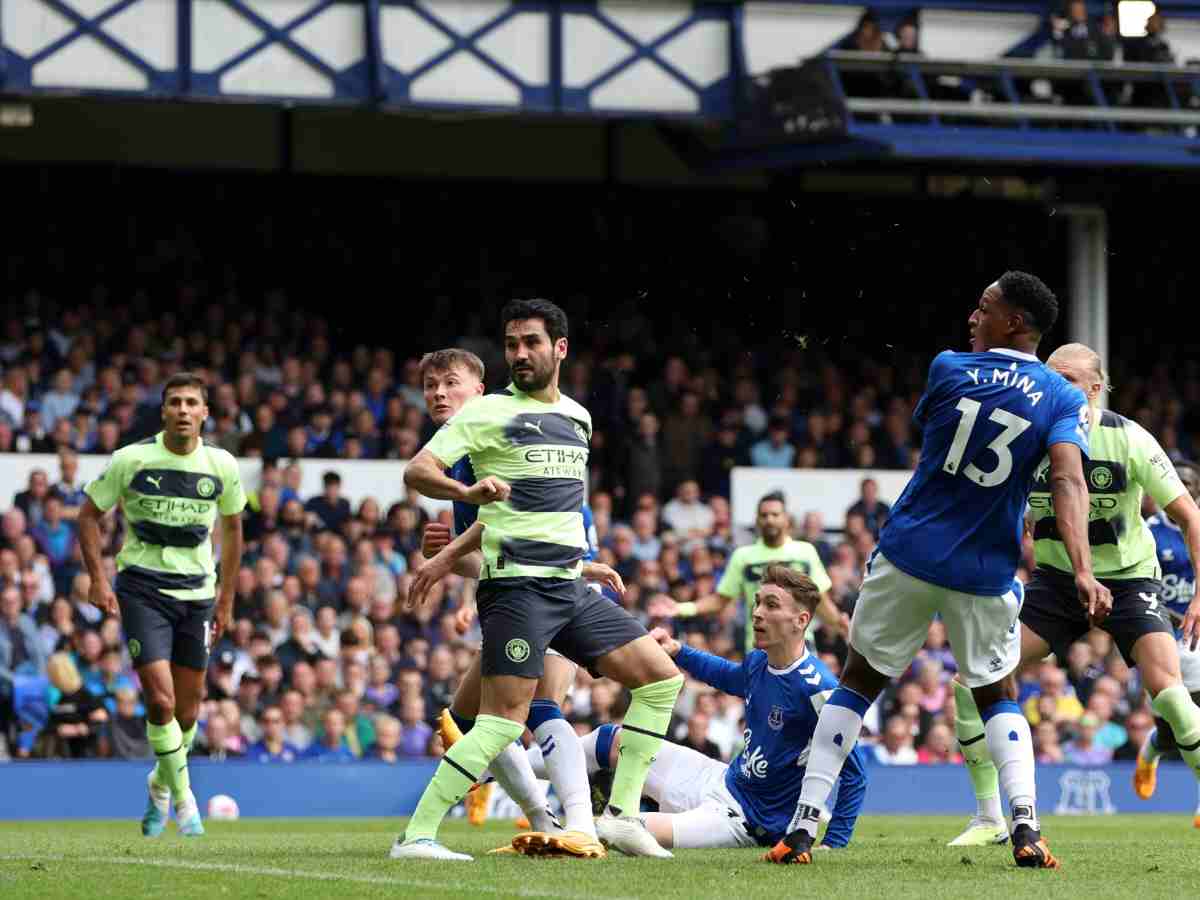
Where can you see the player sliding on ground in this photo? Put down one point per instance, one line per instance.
(1124, 463)
(450, 379)
(170, 487)
(704, 803)
(528, 447)
(953, 543)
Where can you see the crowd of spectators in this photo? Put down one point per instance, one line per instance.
(323, 663)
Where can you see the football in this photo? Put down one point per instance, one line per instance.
(222, 806)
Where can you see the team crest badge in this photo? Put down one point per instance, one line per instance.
(1101, 477)
(135, 648)
(775, 719)
(205, 487)
(517, 650)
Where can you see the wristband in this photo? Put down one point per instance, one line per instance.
(685, 610)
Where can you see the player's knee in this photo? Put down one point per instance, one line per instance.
(160, 706)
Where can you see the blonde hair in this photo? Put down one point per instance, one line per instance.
(1085, 355)
(63, 674)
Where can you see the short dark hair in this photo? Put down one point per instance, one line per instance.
(331, 477)
(551, 315)
(443, 360)
(802, 588)
(185, 380)
(1029, 295)
(773, 497)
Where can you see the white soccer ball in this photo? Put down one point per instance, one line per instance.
(222, 807)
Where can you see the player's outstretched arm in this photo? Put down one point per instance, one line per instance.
(720, 673)
(852, 790)
(436, 538)
(1184, 513)
(100, 594)
(1070, 494)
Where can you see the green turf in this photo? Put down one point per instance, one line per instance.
(893, 857)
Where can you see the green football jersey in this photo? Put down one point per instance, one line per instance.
(541, 451)
(170, 503)
(1124, 463)
(747, 565)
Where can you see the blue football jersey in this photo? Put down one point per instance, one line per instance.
(988, 420)
(782, 706)
(1178, 578)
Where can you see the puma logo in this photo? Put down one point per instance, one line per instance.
(155, 481)
(534, 426)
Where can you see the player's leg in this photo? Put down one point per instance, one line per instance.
(612, 643)
(562, 753)
(149, 634)
(982, 631)
(517, 624)
(189, 660)
(890, 623)
(510, 769)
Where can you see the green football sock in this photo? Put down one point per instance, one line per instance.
(459, 769)
(972, 740)
(642, 734)
(169, 747)
(189, 738)
(1176, 706)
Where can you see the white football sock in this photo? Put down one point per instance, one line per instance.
(566, 766)
(838, 728)
(1011, 744)
(512, 772)
(1149, 753)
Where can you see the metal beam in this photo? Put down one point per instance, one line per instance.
(1087, 240)
(1017, 111)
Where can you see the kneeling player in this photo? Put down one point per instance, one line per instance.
(705, 803)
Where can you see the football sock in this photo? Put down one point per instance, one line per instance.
(565, 762)
(512, 772)
(1011, 744)
(1150, 752)
(838, 728)
(972, 740)
(642, 734)
(171, 770)
(1176, 706)
(458, 770)
(189, 738)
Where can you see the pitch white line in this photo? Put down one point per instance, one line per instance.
(271, 871)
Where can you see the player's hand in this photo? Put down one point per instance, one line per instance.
(1094, 597)
(434, 538)
(427, 576)
(1191, 624)
(784, 853)
(488, 490)
(668, 643)
(222, 616)
(463, 617)
(662, 606)
(101, 596)
(606, 575)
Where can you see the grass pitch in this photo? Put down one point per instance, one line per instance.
(893, 857)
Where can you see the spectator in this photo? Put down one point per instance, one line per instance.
(874, 511)
(386, 748)
(55, 538)
(219, 743)
(697, 735)
(1046, 744)
(1053, 686)
(813, 530)
(75, 713)
(60, 402)
(686, 514)
(685, 432)
(643, 462)
(646, 544)
(126, 735)
(774, 451)
(32, 500)
(21, 650)
(896, 748)
(415, 732)
(295, 732)
(331, 746)
(939, 747)
(720, 456)
(1138, 726)
(273, 746)
(1152, 48)
(1075, 37)
(330, 507)
(1085, 750)
(1109, 734)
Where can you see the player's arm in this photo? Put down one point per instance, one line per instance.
(100, 594)
(233, 545)
(442, 564)
(1070, 494)
(852, 790)
(436, 537)
(720, 673)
